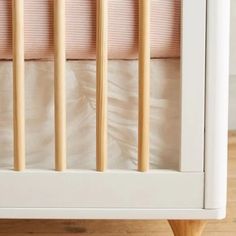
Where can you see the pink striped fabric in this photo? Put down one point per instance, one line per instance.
(81, 25)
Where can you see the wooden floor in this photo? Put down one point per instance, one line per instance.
(225, 227)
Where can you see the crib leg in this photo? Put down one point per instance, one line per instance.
(187, 227)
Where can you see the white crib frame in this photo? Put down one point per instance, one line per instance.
(196, 191)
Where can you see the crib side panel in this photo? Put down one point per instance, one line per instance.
(111, 189)
(193, 84)
(218, 22)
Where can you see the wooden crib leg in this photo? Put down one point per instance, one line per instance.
(187, 227)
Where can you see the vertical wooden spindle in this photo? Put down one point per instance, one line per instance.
(59, 85)
(144, 85)
(101, 80)
(18, 84)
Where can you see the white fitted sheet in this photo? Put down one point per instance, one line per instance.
(122, 114)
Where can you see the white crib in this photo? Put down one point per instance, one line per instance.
(196, 191)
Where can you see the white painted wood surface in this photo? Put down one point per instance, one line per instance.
(92, 189)
(193, 84)
(110, 213)
(217, 103)
(233, 39)
(232, 84)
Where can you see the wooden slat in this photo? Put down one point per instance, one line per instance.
(144, 85)
(59, 86)
(101, 80)
(18, 84)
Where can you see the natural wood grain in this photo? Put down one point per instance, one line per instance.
(226, 227)
(18, 84)
(101, 80)
(187, 227)
(59, 85)
(144, 85)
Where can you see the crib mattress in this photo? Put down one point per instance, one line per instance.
(81, 116)
(81, 29)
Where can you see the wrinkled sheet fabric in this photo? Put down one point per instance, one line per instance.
(81, 116)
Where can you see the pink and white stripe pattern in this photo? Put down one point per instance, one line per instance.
(81, 29)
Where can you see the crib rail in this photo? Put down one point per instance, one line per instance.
(101, 103)
(18, 84)
(59, 85)
(101, 80)
(144, 85)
